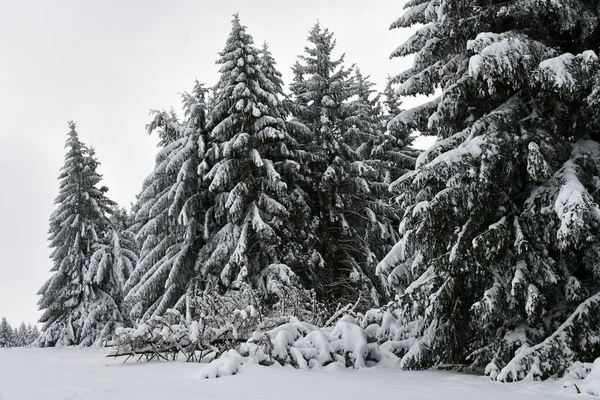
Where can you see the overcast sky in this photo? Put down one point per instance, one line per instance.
(105, 64)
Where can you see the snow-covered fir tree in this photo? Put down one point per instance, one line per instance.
(169, 212)
(319, 89)
(75, 311)
(298, 236)
(354, 222)
(268, 66)
(396, 150)
(7, 336)
(385, 159)
(111, 264)
(498, 261)
(249, 229)
(392, 101)
(20, 335)
(156, 236)
(32, 334)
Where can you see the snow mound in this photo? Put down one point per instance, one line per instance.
(579, 370)
(591, 384)
(228, 364)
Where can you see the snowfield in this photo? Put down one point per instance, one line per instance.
(70, 373)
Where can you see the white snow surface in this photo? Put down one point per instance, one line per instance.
(71, 373)
(591, 384)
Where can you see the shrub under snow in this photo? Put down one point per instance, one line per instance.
(355, 342)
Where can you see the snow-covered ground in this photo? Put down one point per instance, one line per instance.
(50, 374)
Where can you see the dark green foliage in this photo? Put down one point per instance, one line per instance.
(349, 165)
(499, 245)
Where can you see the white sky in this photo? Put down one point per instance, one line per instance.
(105, 64)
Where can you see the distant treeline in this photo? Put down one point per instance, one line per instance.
(22, 336)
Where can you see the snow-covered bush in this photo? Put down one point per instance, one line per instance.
(218, 322)
(300, 345)
(229, 317)
(243, 310)
(172, 333)
(354, 342)
(158, 337)
(579, 370)
(228, 364)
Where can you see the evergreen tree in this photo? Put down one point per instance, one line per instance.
(80, 218)
(158, 238)
(7, 336)
(32, 334)
(298, 237)
(272, 76)
(170, 212)
(385, 159)
(247, 225)
(392, 102)
(498, 259)
(111, 264)
(388, 146)
(114, 257)
(21, 336)
(349, 217)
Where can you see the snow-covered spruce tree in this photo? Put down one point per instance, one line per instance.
(248, 226)
(371, 212)
(157, 237)
(498, 264)
(170, 212)
(32, 334)
(73, 308)
(353, 223)
(20, 335)
(298, 236)
(398, 150)
(7, 335)
(111, 264)
(392, 102)
(268, 66)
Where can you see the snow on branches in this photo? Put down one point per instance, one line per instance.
(500, 237)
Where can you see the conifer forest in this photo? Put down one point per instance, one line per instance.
(294, 223)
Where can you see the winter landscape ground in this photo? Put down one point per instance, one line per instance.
(294, 223)
(74, 373)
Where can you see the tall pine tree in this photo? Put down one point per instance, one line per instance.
(354, 222)
(384, 159)
(298, 236)
(248, 225)
(170, 212)
(75, 311)
(21, 336)
(7, 336)
(498, 261)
